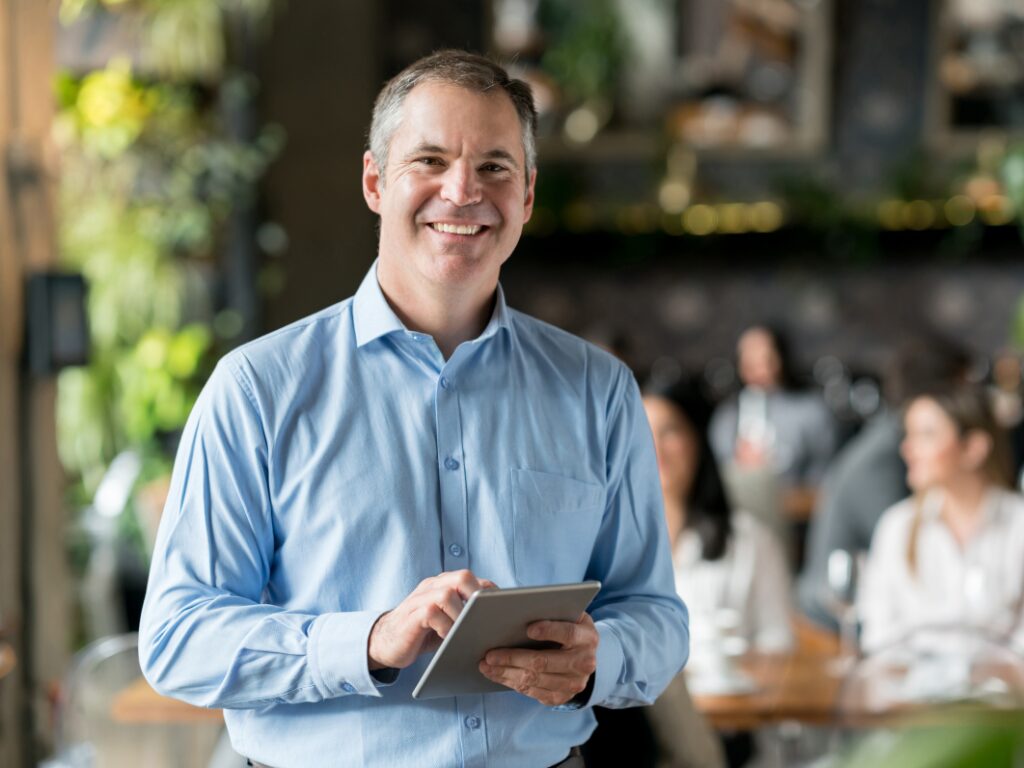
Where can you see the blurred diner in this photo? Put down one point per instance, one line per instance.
(952, 554)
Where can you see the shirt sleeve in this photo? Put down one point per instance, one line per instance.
(207, 634)
(642, 623)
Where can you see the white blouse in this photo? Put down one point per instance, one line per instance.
(750, 583)
(979, 584)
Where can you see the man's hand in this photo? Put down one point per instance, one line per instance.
(421, 621)
(552, 677)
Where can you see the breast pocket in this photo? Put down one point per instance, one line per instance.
(555, 523)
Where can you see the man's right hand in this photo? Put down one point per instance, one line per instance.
(422, 620)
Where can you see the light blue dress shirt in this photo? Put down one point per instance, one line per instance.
(332, 465)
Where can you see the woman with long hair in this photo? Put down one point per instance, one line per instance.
(729, 568)
(953, 553)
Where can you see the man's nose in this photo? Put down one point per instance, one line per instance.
(461, 185)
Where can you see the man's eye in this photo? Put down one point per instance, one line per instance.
(429, 161)
(493, 168)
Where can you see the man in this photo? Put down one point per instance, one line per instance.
(345, 483)
(771, 424)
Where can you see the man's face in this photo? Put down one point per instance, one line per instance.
(759, 364)
(454, 196)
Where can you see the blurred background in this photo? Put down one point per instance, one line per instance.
(181, 176)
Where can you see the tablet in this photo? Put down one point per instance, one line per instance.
(497, 618)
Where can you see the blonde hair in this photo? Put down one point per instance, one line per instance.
(968, 406)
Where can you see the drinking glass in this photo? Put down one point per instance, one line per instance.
(840, 599)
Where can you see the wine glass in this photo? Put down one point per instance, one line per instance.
(843, 568)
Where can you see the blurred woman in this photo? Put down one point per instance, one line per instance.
(953, 553)
(730, 569)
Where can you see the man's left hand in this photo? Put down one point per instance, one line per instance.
(554, 676)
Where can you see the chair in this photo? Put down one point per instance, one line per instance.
(88, 735)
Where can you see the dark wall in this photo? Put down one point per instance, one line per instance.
(320, 75)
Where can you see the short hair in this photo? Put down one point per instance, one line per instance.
(452, 67)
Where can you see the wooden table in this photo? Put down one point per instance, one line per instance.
(139, 703)
(791, 687)
(798, 503)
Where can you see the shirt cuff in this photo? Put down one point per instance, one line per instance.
(337, 655)
(609, 665)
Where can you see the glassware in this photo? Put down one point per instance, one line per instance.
(840, 596)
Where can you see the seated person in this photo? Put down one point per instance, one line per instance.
(868, 476)
(952, 553)
(728, 566)
(771, 424)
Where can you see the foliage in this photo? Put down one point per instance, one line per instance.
(148, 176)
(585, 49)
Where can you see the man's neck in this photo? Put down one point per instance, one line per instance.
(449, 316)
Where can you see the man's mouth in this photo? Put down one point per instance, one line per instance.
(457, 229)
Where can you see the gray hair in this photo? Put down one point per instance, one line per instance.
(451, 67)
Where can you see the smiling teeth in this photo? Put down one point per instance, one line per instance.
(455, 229)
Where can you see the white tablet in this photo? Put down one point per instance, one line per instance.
(497, 618)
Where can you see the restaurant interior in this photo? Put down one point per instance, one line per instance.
(800, 223)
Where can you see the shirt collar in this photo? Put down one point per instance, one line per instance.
(931, 506)
(374, 317)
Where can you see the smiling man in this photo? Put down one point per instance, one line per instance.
(346, 483)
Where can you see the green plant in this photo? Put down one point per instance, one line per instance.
(149, 175)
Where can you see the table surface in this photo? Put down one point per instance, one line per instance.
(799, 686)
(139, 703)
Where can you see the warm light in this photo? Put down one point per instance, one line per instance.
(890, 214)
(765, 216)
(959, 210)
(732, 218)
(674, 196)
(700, 219)
(918, 215)
(996, 210)
(582, 125)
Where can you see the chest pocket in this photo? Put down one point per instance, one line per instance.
(555, 523)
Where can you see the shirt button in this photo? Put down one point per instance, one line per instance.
(472, 722)
(451, 464)
(456, 550)
(348, 688)
(445, 384)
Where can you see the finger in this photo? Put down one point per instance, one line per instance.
(447, 600)
(554, 662)
(540, 686)
(561, 632)
(464, 581)
(436, 619)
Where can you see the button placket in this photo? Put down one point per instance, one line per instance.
(474, 730)
(454, 512)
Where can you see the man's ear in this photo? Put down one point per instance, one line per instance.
(373, 182)
(528, 205)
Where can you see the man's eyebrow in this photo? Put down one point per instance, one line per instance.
(501, 154)
(493, 154)
(433, 149)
